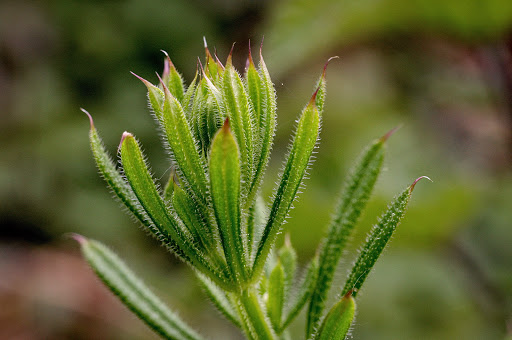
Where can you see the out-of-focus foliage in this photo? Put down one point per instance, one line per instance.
(325, 24)
(440, 68)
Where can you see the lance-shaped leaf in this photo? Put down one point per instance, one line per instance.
(355, 194)
(307, 287)
(183, 146)
(261, 88)
(377, 240)
(133, 292)
(225, 191)
(123, 190)
(173, 79)
(155, 97)
(288, 258)
(275, 293)
(140, 180)
(337, 322)
(304, 141)
(192, 217)
(241, 120)
(219, 299)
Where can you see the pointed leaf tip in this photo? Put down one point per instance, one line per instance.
(411, 188)
(390, 133)
(204, 41)
(168, 63)
(90, 117)
(226, 128)
(327, 63)
(313, 97)
(123, 137)
(229, 61)
(78, 238)
(144, 81)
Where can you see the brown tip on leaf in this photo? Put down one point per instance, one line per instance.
(90, 117)
(77, 237)
(166, 90)
(123, 137)
(144, 81)
(411, 188)
(229, 61)
(390, 133)
(249, 57)
(218, 61)
(349, 294)
(313, 97)
(168, 63)
(226, 127)
(327, 63)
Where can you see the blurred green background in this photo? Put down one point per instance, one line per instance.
(442, 68)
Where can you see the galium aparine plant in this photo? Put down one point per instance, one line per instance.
(218, 132)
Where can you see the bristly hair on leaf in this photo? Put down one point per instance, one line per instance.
(219, 131)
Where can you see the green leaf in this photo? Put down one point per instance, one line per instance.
(190, 165)
(261, 88)
(173, 79)
(377, 241)
(304, 141)
(354, 197)
(288, 259)
(225, 191)
(219, 299)
(138, 176)
(133, 292)
(123, 190)
(197, 224)
(241, 120)
(275, 293)
(337, 322)
(155, 97)
(256, 325)
(306, 290)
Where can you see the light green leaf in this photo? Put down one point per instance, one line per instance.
(225, 191)
(123, 190)
(133, 292)
(140, 179)
(241, 121)
(377, 241)
(354, 197)
(219, 299)
(337, 322)
(307, 287)
(304, 141)
(183, 147)
(173, 79)
(275, 293)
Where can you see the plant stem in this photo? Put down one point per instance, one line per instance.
(255, 324)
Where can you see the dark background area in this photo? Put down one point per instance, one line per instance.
(441, 68)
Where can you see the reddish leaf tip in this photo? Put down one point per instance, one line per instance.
(349, 294)
(313, 97)
(390, 133)
(77, 237)
(167, 64)
(144, 81)
(411, 188)
(327, 64)
(229, 61)
(226, 127)
(123, 137)
(90, 117)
